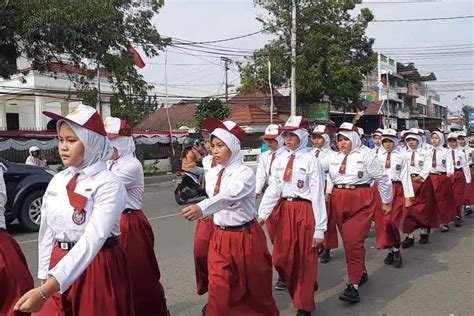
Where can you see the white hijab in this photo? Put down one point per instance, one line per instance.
(413, 136)
(441, 137)
(96, 147)
(124, 145)
(354, 137)
(303, 135)
(233, 143)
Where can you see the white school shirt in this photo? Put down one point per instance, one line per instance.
(469, 153)
(106, 200)
(130, 170)
(378, 150)
(3, 201)
(307, 182)
(422, 165)
(362, 166)
(398, 170)
(461, 162)
(444, 162)
(323, 152)
(234, 205)
(263, 169)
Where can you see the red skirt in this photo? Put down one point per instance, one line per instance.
(444, 197)
(354, 211)
(424, 211)
(330, 236)
(202, 238)
(272, 221)
(387, 227)
(102, 289)
(15, 278)
(137, 241)
(293, 255)
(240, 274)
(469, 192)
(458, 183)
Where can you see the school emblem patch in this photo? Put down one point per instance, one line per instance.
(300, 184)
(458, 162)
(443, 161)
(398, 167)
(360, 174)
(78, 217)
(420, 163)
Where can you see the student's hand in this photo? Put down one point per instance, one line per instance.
(30, 302)
(418, 179)
(327, 197)
(449, 175)
(257, 195)
(387, 208)
(317, 243)
(192, 212)
(261, 221)
(408, 202)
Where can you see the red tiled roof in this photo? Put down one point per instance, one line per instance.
(262, 100)
(248, 115)
(180, 114)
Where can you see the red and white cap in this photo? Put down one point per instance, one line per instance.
(462, 134)
(378, 132)
(295, 122)
(452, 136)
(389, 134)
(212, 123)
(117, 127)
(82, 115)
(412, 131)
(360, 130)
(320, 129)
(348, 127)
(271, 132)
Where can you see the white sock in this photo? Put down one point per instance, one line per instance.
(356, 286)
(394, 249)
(424, 231)
(410, 236)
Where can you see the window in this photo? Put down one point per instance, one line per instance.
(13, 122)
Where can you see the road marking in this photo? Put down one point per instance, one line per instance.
(149, 218)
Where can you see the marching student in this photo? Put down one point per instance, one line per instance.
(240, 270)
(402, 145)
(387, 225)
(424, 212)
(441, 168)
(136, 235)
(463, 141)
(205, 226)
(352, 170)
(424, 143)
(15, 278)
(294, 202)
(322, 148)
(35, 158)
(275, 145)
(82, 268)
(462, 176)
(377, 136)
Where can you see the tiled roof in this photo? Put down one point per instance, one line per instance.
(180, 114)
(248, 115)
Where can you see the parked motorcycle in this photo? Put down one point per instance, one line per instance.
(189, 187)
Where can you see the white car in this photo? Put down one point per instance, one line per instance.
(251, 157)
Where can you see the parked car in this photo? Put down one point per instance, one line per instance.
(26, 185)
(251, 157)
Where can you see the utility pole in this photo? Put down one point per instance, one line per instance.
(271, 89)
(226, 68)
(293, 58)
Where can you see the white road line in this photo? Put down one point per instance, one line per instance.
(149, 218)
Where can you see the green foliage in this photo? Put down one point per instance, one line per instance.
(210, 108)
(85, 34)
(333, 53)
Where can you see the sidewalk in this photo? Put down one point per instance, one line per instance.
(150, 180)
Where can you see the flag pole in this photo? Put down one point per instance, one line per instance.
(166, 101)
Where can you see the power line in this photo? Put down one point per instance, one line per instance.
(221, 40)
(426, 19)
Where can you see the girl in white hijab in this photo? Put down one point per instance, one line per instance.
(240, 271)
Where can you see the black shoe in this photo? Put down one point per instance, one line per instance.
(350, 294)
(364, 278)
(397, 259)
(204, 310)
(424, 238)
(302, 312)
(389, 258)
(280, 285)
(444, 228)
(408, 242)
(467, 211)
(325, 256)
(457, 221)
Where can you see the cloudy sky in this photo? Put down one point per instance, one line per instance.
(445, 47)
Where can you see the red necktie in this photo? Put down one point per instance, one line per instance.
(76, 200)
(213, 163)
(317, 154)
(454, 157)
(342, 168)
(377, 151)
(271, 163)
(387, 162)
(218, 183)
(289, 169)
(111, 165)
(412, 161)
(433, 161)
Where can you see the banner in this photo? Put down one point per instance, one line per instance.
(316, 111)
(371, 98)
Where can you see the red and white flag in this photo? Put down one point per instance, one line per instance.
(136, 57)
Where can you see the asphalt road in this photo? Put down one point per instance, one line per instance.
(436, 279)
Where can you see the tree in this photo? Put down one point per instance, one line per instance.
(333, 53)
(210, 108)
(83, 34)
